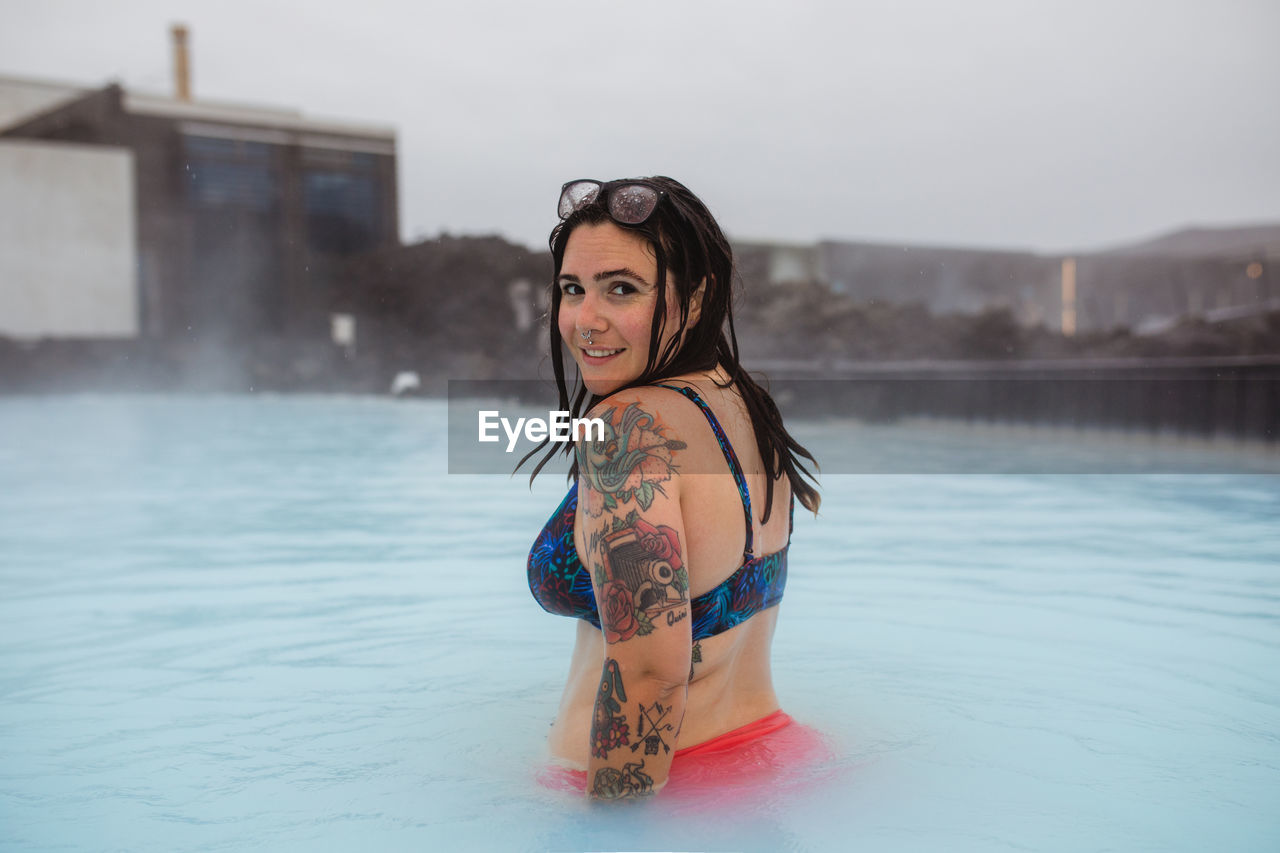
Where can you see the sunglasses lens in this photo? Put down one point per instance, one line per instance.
(632, 203)
(576, 194)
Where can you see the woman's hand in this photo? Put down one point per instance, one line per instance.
(629, 517)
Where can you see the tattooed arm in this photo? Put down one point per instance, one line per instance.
(629, 505)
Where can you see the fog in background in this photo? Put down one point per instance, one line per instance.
(1051, 126)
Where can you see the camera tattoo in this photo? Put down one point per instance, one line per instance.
(640, 575)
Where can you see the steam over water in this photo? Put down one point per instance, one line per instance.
(279, 623)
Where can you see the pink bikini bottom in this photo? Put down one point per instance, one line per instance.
(759, 755)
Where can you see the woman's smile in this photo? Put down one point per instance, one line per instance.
(596, 355)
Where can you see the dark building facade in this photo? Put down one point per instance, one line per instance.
(244, 215)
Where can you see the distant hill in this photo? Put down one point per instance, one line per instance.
(1244, 241)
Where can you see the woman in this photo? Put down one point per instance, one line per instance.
(672, 526)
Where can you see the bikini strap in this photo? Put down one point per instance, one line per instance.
(732, 458)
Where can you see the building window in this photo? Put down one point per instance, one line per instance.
(337, 158)
(229, 173)
(341, 211)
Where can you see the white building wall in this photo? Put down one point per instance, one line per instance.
(21, 99)
(68, 256)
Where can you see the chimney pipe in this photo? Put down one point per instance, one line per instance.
(181, 63)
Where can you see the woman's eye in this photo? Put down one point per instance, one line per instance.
(622, 289)
(568, 288)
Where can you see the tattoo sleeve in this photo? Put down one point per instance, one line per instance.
(656, 728)
(637, 566)
(632, 528)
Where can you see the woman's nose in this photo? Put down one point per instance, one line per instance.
(590, 315)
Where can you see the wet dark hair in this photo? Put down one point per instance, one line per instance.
(689, 248)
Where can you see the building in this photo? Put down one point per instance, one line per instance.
(943, 280)
(1216, 274)
(198, 220)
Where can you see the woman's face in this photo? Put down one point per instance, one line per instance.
(608, 287)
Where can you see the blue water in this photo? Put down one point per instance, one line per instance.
(277, 623)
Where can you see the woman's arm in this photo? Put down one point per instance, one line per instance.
(629, 516)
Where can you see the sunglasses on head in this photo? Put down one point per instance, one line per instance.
(628, 202)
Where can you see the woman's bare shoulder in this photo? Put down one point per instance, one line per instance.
(653, 406)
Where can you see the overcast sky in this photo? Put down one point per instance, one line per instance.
(995, 123)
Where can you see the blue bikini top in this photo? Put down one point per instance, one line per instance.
(562, 584)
